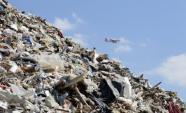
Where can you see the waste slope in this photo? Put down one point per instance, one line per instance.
(41, 71)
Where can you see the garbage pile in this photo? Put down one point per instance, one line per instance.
(41, 71)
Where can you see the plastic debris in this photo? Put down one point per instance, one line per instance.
(127, 92)
(14, 27)
(4, 105)
(14, 67)
(1, 8)
(27, 39)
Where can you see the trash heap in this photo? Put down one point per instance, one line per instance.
(41, 71)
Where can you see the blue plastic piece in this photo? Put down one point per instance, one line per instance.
(1, 8)
(27, 40)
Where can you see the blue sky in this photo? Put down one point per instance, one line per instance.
(152, 33)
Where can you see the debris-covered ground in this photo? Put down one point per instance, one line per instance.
(43, 72)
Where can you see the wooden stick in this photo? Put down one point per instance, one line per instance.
(73, 82)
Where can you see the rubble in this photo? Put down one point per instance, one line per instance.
(42, 71)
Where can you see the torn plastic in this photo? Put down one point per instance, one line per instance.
(14, 27)
(4, 105)
(127, 92)
(14, 67)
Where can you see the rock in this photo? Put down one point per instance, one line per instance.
(102, 57)
(50, 102)
(28, 106)
(115, 111)
(91, 86)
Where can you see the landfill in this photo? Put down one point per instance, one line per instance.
(41, 71)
